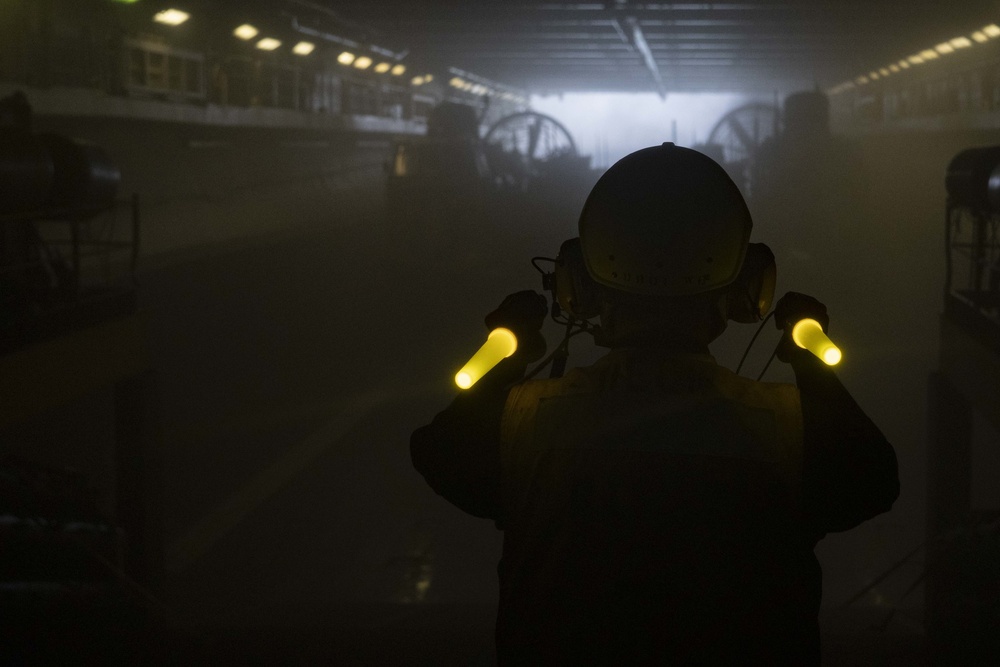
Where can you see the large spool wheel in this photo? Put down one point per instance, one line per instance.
(519, 147)
(740, 133)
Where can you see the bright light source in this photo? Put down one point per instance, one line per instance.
(861, 80)
(992, 30)
(382, 68)
(417, 81)
(944, 48)
(268, 44)
(399, 70)
(808, 334)
(874, 76)
(428, 78)
(916, 60)
(904, 64)
(500, 344)
(961, 42)
(246, 32)
(456, 82)
(303, 48)
(980, 36)
(363, 62)
(894, 68)
(884, 71)
(345, 58)
(929, 54)
(171, 17)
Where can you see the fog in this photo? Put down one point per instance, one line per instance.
(609, 126)
(299, 317)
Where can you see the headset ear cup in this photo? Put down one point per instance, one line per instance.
(750, 295)
(575, 291)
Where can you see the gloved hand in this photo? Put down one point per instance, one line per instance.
(790, 309)
(523, 313)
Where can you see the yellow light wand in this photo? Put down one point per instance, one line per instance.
(500, 344)
(808, 334)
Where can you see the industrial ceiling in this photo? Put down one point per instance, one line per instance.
(751, 46)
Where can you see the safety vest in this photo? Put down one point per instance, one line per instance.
(652, 493)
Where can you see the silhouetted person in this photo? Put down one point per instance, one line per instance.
(658, 508)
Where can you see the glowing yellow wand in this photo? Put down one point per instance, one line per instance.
(808, 334)
(500, 344)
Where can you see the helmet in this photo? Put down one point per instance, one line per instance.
(665, 221)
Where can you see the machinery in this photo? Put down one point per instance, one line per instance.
(453, 168)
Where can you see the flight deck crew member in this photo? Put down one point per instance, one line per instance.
(657, 508)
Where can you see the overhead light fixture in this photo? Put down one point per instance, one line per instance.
(382, 68)
(873, 76)
(345, 58)
(303, 48)
(428, 78)
(961, 42)
(417, 81)
(268, 44)
(894, 68)
(992, 30)
(861, 80)
(456, 82)
(929, 54)
(905, 64)
(171, 17)
(399, 70)
(917, 60)
(980, 36)
(246, 32)
(944, 48)
(363, 62)
(884, 71)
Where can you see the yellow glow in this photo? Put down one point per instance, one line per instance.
(428, 78)
(884, 71)
(874, 76)
(904, 64)
(894, 68)
(417, 81)
(500, 344)
(929, 54)
(456, 82)
(399, 70)
(961, 42)
(268, 44)
(246, 32)
(345, 58)
(992, 30)
(171, 17)
(808, 334)
(980, 36)
(916, 60)
(861, 80)
(944, 48)
(303, 48)
(382, 68)
(363, 62)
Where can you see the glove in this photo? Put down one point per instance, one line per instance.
(790, 309)
(523, 313)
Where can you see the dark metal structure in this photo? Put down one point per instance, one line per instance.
(622, 45)
(963, 581)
